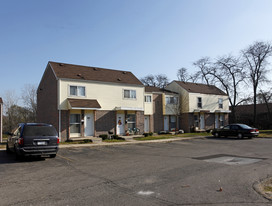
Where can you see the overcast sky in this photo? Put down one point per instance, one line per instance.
(141, 36)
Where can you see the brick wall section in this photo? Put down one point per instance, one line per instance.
(47, 106)
(209, 121)
(158, 115)
(105, 121)
(140, 121)
(151, 123)
(65, 123)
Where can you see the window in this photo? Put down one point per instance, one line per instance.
(131, 121)
(220, 103)
(199, 102)
(147, 98)
(75, 123)
(129, 94)
(171, 100)
(77, 91)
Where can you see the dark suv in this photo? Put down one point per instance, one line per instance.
(34, 139)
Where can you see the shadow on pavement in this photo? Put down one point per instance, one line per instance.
(6, 158)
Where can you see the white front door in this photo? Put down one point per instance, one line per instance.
(202, 121)
(120, 124)
(166, 123)
(146, 124)
(89, 124)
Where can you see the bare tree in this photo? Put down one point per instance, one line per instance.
(228, 73)
(149, 80)
(183, 75)
(204, 66)
(29, 97)
(256, 60)
(160, 80)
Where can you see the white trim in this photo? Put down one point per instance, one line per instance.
(129, 108)
(83, 108)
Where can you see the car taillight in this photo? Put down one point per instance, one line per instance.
(20, 141)
(58, 141)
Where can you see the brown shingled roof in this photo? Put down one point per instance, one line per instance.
(84, 103)
(1, 101)
(157, 89)
(200, 88)
(70, 71)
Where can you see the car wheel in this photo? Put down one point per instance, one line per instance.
(7, 148)
(53, 156)
(240, 135)
(216, 134)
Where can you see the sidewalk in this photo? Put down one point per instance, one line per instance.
(127, 142)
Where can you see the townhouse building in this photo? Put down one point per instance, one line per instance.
(85, 101)
(161, 110)
(89, 101)
(203, 107)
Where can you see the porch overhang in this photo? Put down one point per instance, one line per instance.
(222, 111)
(83, 104)
(129, 108)
(201, 111)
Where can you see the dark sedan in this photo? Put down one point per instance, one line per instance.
(236, 130)
(33, 139)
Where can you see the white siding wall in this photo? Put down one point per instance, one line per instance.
(209, 102)
(148, 106)
(109, 95)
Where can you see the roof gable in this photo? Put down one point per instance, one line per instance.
(200, 88)
(77, 72)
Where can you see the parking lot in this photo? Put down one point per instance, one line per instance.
(206, 171)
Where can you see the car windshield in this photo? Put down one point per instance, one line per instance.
(245, 126)
(39, 131)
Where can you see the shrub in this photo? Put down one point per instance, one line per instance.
(103, 136)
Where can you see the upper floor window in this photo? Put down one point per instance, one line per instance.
(77, 91)
(220, 103)
(129, 94)
(171, 100)
(147, 98)
(199, 102)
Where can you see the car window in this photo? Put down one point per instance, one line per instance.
(234, 127)
(227, 127)
(40, 131)
(245, 126)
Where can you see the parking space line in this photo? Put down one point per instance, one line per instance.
(66, 158)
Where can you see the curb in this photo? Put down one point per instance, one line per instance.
(129, 142)
(124, 143)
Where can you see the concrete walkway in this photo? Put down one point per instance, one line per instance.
(129, 140)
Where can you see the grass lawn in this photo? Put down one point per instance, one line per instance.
(265, 133)
(169, 136)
